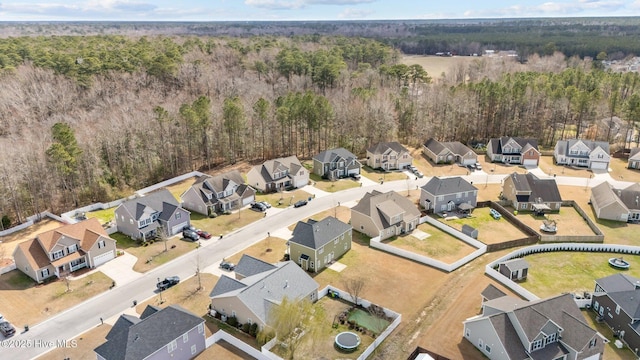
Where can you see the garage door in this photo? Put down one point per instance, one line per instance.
(468, 161)
(101, 259)
(247, 200)
(530, 162)
(599, 165)
(178, 228)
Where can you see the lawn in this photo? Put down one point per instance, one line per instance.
(179, 188)
(568, 220)
(44, 300)
(611, 352)
(105, 216)
(154, 254)
(439, 245)
(283, 199)
(379, 175)
(490, 230)
(333, 186)
(548, 166)
(620, 172)
(260, 250)
(225, 224)
(553, 273)
(85, 345)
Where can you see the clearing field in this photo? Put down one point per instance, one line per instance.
(490, 230)
(224, 224)
(10, 242)
(154, 254)
(437, 245)
(568, 220)
(435, 66)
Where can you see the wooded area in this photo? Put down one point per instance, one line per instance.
(86, 119)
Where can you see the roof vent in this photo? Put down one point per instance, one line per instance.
(286, 284)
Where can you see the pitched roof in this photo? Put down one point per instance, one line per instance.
(134, 339)
(248, 265)
(523, 142)
(516, 264)
(457, 147)
(544, 189)
(630, 196)
(270, 167)
(315, 234)
(634, 154)
(375, 204)
(508, 336)
(434, 145)
(618, 282)
(33, 252)
(261, 291)
(491, 292)
(157, 201)
(604, 195)
(332, 155)
(445, 186)
(381, 147)
(564, 146)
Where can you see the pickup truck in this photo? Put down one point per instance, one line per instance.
(7, 329)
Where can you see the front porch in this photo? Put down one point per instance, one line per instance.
(70, 263)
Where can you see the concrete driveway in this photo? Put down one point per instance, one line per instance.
(120, 269)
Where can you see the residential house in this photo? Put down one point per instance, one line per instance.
(616, 299)
(514, 150)
(384, 214)
(336, 163)
(140, 218)
(64, 250)
(278, 174)
(616, 204)
(448, 194)
(249, 266)
(528, 192)
(514, 269)
(448, 152)
(585, 153)
(169, 333)
(218, 194)
(634, 159)
(513, 329)
(315, 244)
(388, 156)
(491, 292)
(251, 298)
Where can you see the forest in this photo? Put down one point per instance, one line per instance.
(89, 118)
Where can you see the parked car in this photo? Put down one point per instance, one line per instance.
(300, 203)
(355, 176)
(7, 329)
(478, 166)
(204, 234)
(419, 174)
(167, 283)
(227, 266)
(190, 235)
(266, 204)
(258, 207)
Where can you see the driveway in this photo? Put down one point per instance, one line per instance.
(120, 269)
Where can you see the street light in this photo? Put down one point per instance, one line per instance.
(160, 292)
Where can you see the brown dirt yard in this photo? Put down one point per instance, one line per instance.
(490, 230)
(568, 220)
(10, 242)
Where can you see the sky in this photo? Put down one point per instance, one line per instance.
(247, 10)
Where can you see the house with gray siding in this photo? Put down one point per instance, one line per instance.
(142, 217)
(384, 214)
(251, 298)
(616, 300)
(448, 152)
(634, 159)
(514, 150)
(278, 175)
(172, 333)
(584, 153)
(336, 163)
(616, 204)
(315, 244)
(388, 156)
(61, 251)
(527, 192)
(218, 194)
(513, 329)
(448, 194)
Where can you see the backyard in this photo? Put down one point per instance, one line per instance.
(153, 254)
(490, 230)
(619, 171)
(568, 220)
(105, 216)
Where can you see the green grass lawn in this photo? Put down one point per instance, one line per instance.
(439, 245)
(490, 230)
(377, 175)
(104, 216)
(553, 273)
(333, 186)
(283, 199)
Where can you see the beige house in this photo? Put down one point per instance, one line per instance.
(388, 156)
(384, 215)
(64, 250)
(278, 174)
(526, 192)
(616, 204)
(251, 298)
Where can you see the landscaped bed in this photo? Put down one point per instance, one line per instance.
(490, 230)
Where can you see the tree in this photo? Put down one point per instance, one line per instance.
(293, 322)
(261, 111)
(354, 287)
(64, 154)
(234, 121)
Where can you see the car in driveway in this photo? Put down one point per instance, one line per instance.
(227, 266)
(6, 329)
(190, 235)
(168, 282)
(266, 204)
(300, 203)
(203, 234)
(478, 166)
(259, 207)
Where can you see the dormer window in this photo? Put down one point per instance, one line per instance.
(72, 248)
(57, 254)
(536, 345)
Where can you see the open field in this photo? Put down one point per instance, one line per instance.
(557, 272)
(439, 245)
(550, 168)
(620, 172)
(436, 65)
(490, 230)
(153, 255)
(568, 220)
(283, 199)
(10, 242)
(44, 300)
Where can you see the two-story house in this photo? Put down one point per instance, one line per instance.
(64, 250)
(388, 156)
(278, 175)
(218, 194)
(616, 204)
(634, 159)
(448, 152)
(513, 329)
(251, 298)
(448, 194)
(170, 333)
(579, 152)
(616, 300)
(514, 150)
(336, 163)
(143, 217)
(526, 192)
(384, 214)
(315, 244)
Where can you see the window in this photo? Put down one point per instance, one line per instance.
(249, 321)
(72, 248)
(335, 242)
(536, 345)
(523, 206)
(487, 348)
(593, 342)
(200, 328)
(551, 338)
(58, 254)
(193, 349)
(131, 221)
(101, 244)
(596, 305)
(172, 346)
(45, 273)
(178, 215)
(185, 338)
(617, 309)
(311, 264)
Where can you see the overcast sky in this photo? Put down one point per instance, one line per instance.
(215, 10)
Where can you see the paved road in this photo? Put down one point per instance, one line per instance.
(81, 318)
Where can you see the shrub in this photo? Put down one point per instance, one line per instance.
(246, 327)
(253, 331)
(6, 221)
(232, 320)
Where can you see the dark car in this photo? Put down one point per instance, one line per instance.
(190, 235)
(7, 329)
(227, 266)
(258, 207)
(168, 282)
(266, 204)
(204, 234)
(300, 203)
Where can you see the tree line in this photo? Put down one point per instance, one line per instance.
(77, 134)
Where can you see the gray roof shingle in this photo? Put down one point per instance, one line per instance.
(161, 200)
(248, 266)
(381, 147)
(332, 155)
(491, 292)
(315, 234)
(446, 186)
(545, 190)
(375, 204)
(516, 264)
